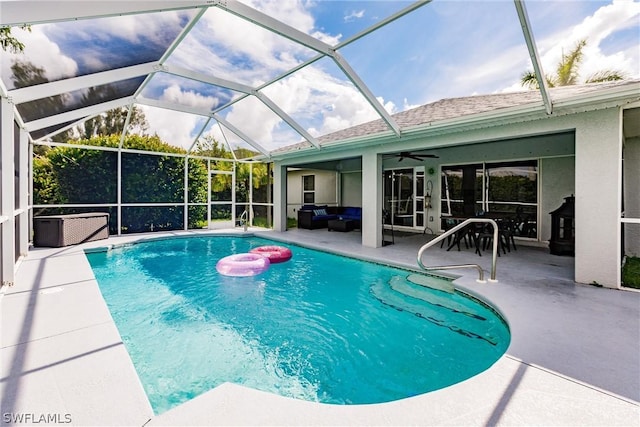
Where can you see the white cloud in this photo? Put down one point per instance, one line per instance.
(354, 15)
(229, 47)
(389, 106)
(407, 106)
(617, 16)
(173, 127)
(41, 52)
(190, 98)
(325, 103)
(484, 69)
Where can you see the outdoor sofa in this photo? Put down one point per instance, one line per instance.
(313, 217)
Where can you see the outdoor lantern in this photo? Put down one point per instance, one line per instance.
(562, 240)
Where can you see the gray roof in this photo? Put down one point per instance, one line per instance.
(458, 108)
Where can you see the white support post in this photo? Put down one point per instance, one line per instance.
(7, 200)
(186, 193)
(279, 197)
(233, 194)
(23, 194)
(208, 194)
(598, 198)
(119, 190)
(30, 191)
(250, 213)
(372, 200)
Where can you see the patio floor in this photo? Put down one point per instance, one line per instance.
(573, 358)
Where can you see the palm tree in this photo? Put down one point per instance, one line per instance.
(567, 72)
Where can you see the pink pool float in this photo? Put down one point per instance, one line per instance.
(242, 265)
(275, 254)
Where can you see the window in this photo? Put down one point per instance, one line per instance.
(502, 188)
(308, 189)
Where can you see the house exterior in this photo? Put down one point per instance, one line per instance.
(332, 184)
(587, 146)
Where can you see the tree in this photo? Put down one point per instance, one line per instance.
(10, 43)
(567, 71)
(26, 74)
(112, 122)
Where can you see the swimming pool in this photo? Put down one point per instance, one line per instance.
(318, 327)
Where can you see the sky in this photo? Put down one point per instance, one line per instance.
(443, 49)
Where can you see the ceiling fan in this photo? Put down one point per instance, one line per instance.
(415, 156)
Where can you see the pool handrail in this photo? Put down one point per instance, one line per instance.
(456, 266)
(244, 220)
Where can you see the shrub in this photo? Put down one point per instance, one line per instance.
(631, 272)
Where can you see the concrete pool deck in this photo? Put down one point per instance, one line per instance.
(573, 358)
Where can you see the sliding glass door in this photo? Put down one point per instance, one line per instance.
(504, 188)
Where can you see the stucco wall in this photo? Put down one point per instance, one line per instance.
(325, 189)
(351, 184)
(632, 196)
(598, 197)
(557, 178)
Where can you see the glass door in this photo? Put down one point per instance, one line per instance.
(403, 197)
(221, 199)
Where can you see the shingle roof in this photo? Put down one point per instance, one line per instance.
(456, 108)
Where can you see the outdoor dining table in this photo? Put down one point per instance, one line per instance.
(473, 232)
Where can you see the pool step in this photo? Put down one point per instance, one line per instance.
(384, 293)
(411, 289)
(432, 282)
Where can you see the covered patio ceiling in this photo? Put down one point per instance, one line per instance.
(265, 75)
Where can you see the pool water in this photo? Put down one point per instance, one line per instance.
(319, 327)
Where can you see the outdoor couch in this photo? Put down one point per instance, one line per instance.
(313, 217)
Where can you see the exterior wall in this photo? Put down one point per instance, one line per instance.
(351, 185)
(632, 196)
(557, 181)
(325, 189)
(598, 197)
(597, 177)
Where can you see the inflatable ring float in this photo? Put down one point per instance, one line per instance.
(243, 265)
(275, 254)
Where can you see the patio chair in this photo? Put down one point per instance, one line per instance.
(455, 238)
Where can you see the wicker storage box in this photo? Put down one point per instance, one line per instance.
(64, 230)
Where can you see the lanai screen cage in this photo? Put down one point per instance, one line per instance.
(151, 191)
